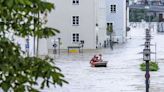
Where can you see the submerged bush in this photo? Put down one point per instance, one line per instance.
(153, 66)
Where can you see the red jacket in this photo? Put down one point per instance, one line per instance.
(93, 60)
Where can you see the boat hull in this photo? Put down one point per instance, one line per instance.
(99, 64)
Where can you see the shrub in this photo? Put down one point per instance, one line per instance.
(153, 66)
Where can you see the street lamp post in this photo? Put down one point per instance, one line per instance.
(82, 44)
(27, 45)
(59, 39)
(147, 31)
(55, 45)
(146, 57)
(155, 52)
(147, 45)
(148, 36)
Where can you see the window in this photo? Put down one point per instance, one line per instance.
(109, 28)
(75, 37)
(113, 8)
(75, 2)
(75, 20)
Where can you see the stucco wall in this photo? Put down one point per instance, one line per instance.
(61, 19)
(118, 19)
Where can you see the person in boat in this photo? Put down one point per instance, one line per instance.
(100, 58)
(94, 59)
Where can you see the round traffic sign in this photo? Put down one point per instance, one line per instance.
(147, 75)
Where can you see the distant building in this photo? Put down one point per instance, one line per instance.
(117, 17)
(154, 9)
(79, 21)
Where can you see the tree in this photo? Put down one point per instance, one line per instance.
(19, 73)
(109, 32)
(136, 15)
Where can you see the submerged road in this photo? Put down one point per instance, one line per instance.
(121, 75)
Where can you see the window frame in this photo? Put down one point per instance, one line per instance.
(75, 37)
(75, 2)
(113, 8)
(75, 20)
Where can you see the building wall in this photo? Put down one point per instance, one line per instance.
(90, 12)
(118, 19)
(23, 43)
(101, 21)
(61, 19)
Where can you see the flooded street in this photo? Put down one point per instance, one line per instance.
(122, 73)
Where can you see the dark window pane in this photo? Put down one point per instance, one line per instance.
(77, 1)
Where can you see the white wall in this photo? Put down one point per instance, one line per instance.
(22, 43)
(61, 18)
(101, 20)
(128, 16)
(118, 19)
(43, 47)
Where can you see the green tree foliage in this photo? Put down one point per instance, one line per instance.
(109, 29)
(19, 73)
(136, 15)
(153, 66)
(20, 16)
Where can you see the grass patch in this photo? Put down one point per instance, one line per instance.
(153, 66)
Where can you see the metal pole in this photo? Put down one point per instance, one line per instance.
(54, 45)
(147, 75)
(59, 45)
(82, 47)
(149, 22)
(34, 43)
(28, 43)
(155, 53)
(37, 38)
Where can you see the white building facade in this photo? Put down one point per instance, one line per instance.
(117, 17)
(78, 20)
(82, 21)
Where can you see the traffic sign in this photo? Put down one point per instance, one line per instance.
(27, 46)
(147, 75)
